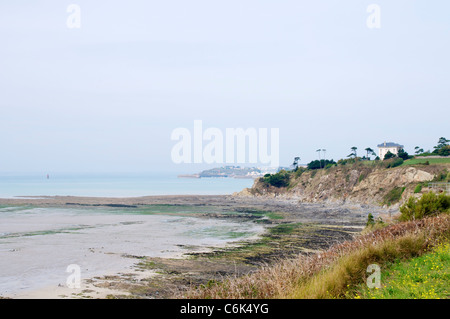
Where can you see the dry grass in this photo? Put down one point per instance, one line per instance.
(330, 273)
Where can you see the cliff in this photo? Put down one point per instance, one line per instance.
(358, 183)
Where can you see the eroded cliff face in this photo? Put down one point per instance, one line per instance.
(360, 184)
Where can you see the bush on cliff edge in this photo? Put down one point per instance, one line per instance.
(429, 204)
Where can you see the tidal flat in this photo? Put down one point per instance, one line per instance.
(156, 246)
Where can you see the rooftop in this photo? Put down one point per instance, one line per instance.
(389, 144)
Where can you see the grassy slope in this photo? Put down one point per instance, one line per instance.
(424, 277)
(416, 161)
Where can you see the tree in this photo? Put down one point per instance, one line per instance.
(353, 153)
(418, 150)
(388, 155)
(370, 152)
(443, 147)
(403, 154)
(442, 142)
(295, 164)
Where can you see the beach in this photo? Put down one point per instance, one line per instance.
(109, 237)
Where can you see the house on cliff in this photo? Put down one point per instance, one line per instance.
(385, 147)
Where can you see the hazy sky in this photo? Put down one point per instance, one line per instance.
(105, 97)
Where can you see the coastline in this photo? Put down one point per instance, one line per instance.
(338, 221)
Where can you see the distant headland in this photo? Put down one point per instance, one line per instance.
(234, 172)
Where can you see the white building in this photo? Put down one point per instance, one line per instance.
(388, 147)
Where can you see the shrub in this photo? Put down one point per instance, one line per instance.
(280, 179)
(428, 205)
(372, 224)
(393, 162)
(370, 220)
(443, 176)
(299, 171)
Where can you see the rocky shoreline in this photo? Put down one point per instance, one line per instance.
(326, 211)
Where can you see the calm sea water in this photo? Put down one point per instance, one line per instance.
(116, 185)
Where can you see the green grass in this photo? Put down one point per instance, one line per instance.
(337, 281)
(283, 229)
(273, 215)
(424, 277)
(393, 196)
(418, 188)
(431, 161)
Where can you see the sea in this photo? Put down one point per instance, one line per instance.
(116, 185)
(39, 244)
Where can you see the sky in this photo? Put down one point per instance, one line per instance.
(106, 97)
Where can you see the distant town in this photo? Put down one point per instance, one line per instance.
(235, 172)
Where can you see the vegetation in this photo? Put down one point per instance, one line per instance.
(418, 150)
(403, 154)
(418, 188)
(392, 162)
(320, 164)
(370, 220)
(295, 163)
(373, 224)
(337, 272)
(280, 179)
(429, 204)
(443, 176)
(427, 161)
(388, 155)
(403, 250)
(370, 152)
(443, 147)
(424, 277)
(393, 196)
(347, 161)
(353, 153)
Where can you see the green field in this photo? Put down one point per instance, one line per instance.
(416, 161)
